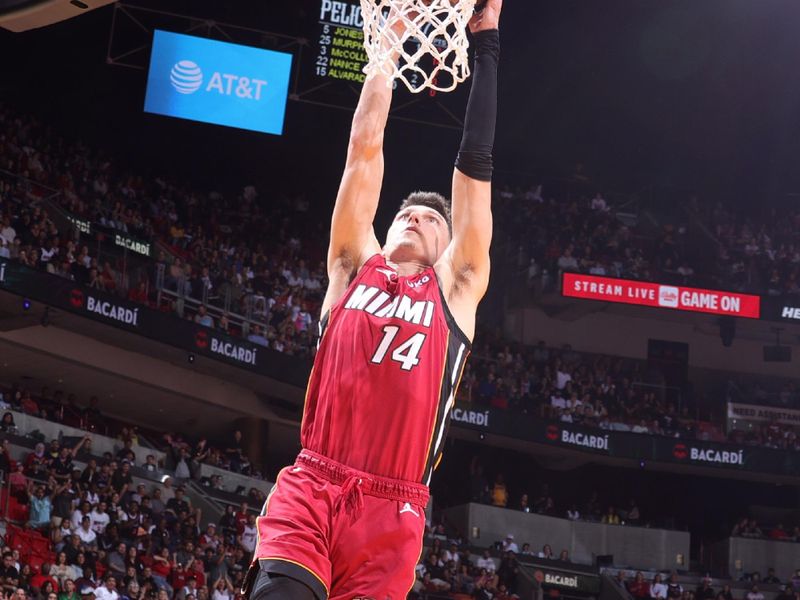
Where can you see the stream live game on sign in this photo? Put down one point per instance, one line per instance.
(624, 291)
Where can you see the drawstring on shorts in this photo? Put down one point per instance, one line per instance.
(351, 498)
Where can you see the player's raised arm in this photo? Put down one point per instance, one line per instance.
(353, 239)
(467, 258)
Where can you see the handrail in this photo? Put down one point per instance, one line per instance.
(182, 301)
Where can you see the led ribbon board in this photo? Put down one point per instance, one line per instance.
(624, 291)
(218, 82)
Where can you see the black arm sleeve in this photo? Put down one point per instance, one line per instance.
(475, 155)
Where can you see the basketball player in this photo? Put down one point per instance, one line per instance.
(347, 519)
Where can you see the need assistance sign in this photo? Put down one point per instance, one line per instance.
(218, 82)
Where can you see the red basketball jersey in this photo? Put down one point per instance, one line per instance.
(389, 361)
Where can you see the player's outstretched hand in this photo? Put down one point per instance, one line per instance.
(397, 24)
(488, 18)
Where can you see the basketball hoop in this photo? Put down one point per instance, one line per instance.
(433, 45)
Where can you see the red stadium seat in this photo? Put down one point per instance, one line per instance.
(17, 511)
(34, 561)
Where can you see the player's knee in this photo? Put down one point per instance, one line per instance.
(279, 587)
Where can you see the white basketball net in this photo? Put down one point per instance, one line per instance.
(432, 41)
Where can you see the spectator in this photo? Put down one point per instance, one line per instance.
(241, 517)
(41, 504)
(223, 589)
(47, 590)
(639, 588)
(573, 514)
(203, 318)
(547, 552)
(564, 556)
(704, 591)
(227, 523)
(464, 582)
(658, 589)
(247, 539)
(740, 528)
(591, 511)
(179, 503)
(43, 582)
(486, 562)
(86, 535)
(68, 591)
(122, 480)
(674, 589)
(771, 578)
(161, 569)
(7, 425)
(566, 261)
(9, 576)
(786, 593)
(509, 545)
(451, 554)
(508, 570)
(117, 561)
(611, 517)
(754, 593)
(107, 591)
(83, 511)
(621, 580)
(167, 491)
(725, 592)
(131, 591)
(633, 517)
(499, 492)
(37, 462)
(778, 533)
(150, 464)
(61, 571)
(235, 452)
(99, 518)
(86, 581)
(182, 470)
(200, 453)
(752, 530)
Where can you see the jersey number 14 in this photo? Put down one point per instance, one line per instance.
(406, 353)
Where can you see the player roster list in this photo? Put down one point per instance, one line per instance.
(341, 52)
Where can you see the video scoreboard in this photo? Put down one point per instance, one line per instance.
(310, 52)
(340, 53)
(340, 42)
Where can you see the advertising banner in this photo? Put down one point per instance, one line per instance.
(777, 308)
(628, 445)
(624, 291)
(114, 236)
(164, 327)
(218, 82)
(564, 576)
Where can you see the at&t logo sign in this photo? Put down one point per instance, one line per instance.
(186, 77)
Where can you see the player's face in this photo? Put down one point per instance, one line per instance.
(417, 234)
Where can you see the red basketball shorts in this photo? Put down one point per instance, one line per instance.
(344, 533)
